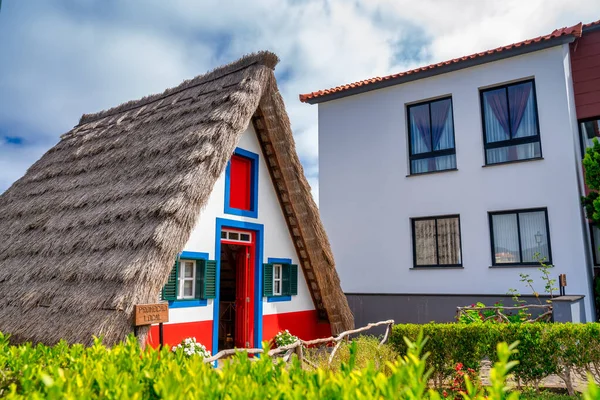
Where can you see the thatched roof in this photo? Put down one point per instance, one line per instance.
(94, 226)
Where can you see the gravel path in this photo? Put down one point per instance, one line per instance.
(553, 381)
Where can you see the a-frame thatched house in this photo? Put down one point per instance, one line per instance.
(196, 193)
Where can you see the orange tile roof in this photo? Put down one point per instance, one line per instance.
(585, 26)
(574, 31)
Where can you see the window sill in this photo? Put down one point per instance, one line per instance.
(432, 172)
(240, 212)
(436, 267)
(537, 265)
(513, 162)
(277, 299)
(185, 303)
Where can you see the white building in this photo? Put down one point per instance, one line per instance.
(439, 185)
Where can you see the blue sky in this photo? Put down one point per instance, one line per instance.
(62, 58)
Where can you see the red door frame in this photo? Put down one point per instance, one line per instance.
(244, 289)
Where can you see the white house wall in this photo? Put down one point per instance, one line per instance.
(277, 244)
(367, 199)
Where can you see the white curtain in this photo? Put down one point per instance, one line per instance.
(534, 238)
(506, 238)
(441, 163)
(523, 152)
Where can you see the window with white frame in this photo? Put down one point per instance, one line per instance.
(236, 236)
(187, 279)
(277, 269)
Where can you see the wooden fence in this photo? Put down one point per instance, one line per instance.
(298, 346)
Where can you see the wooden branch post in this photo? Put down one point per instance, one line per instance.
(297, 346)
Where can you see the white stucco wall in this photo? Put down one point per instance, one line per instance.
(277, 239)
(367, 200)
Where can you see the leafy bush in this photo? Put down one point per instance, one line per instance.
(448, 345)
(127, 372)
(545, 349)
(364, 351)
(285, 338)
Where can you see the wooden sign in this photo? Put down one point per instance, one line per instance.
(148, 314)
(562, 279)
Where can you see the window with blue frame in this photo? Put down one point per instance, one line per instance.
(510, 123)
(280, 279)
(431, 131)
(192, 280)
(241, 184)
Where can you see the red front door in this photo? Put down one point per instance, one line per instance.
(244, 292)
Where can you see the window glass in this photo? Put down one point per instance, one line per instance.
(589, 130)
(520, 237)
(506, 238)
(437, 241)
(188, 288)
(187, 279)
(533, 235)
(277, 269)
(448, 231)
(596, 244)
(431, 131)
(426, 249)
(510, 123)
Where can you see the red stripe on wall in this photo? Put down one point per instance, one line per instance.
(303, 324)
(175, 333)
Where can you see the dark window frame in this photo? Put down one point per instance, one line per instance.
(582, 121)
(510, 142)
(432, 153)
(523, 210)
(594, 259)
(414, 241)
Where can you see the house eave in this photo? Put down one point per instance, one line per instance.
(516, 51)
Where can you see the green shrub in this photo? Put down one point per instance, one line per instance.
(448, 345)
(127, 372)
(364, 350)
(544, 349)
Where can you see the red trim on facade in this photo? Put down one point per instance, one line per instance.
(175, 333)
(304, 324)
(240, 182)
(570, 31)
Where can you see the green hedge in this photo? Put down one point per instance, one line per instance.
(127, 372)
(544, 348)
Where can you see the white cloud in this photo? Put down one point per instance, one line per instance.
(60, 62)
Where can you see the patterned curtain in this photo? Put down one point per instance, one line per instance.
(426, 251)
(448, 241)
(447, 251)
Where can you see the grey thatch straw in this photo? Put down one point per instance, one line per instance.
(94, 226)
